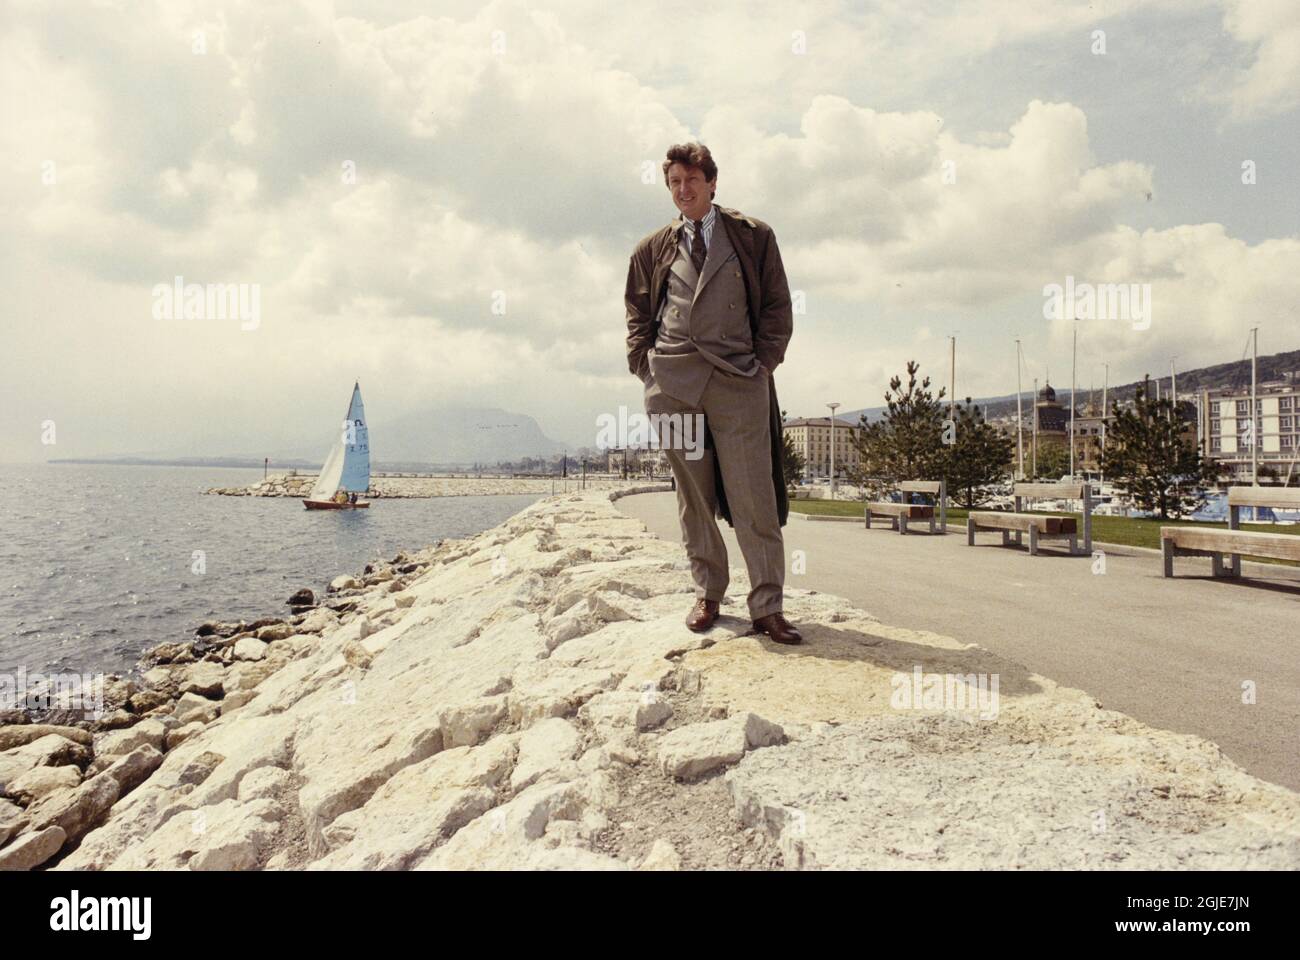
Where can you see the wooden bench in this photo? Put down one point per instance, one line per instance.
(1039, 526)
(1234, 542)
(900, 513)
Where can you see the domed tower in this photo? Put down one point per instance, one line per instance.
(1053, 419)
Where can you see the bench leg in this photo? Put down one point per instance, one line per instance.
(1006, 537)
(970, 532)
(1074, 546)
(1019, 539)
(1167, 553)
(866, 518)
(902, 524)
(932, 526)
(1033, 541)
(1216, 564)
(1236, 565)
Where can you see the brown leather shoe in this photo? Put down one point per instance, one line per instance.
(702, 615)
(778, 628)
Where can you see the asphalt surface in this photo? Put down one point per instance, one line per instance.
(1174, 654)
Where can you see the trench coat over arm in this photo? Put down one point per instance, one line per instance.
(770, 317)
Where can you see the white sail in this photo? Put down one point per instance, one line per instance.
(327, 484)
(348, 465)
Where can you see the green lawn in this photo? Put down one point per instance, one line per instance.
(1127, 531)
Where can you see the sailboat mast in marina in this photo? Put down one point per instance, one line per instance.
(346, 473)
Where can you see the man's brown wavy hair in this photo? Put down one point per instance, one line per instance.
(692, 155)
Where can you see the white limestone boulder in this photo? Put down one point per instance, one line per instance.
(32, 849)
(696, 749)
(191, 707)
(542, 748)
(204, 678)
(250, 648)
(39, 781)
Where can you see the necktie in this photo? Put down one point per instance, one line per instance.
(697, 246)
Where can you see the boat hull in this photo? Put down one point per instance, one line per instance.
(331, 505)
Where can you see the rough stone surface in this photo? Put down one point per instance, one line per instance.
(121, 742)
(50, 750)
(699, 748)
(204, 678)
(32, 849)
(264, 782)
(175, 737)
(133, 769)
(39, 781)
(543, 747)
(236, 700)
(250, 648)
(75, 811)
(191, 707)
(320, 619)
(537, 703)
(147, 700)
(19, 735)
(662, 856)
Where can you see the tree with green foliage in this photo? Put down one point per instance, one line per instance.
(907, 442)
(1053, 460)
(792, 461)
(1148, 458)
(977, 456)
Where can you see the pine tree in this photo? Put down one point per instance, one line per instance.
(907, 443)
(1148, 459)
(978, 456)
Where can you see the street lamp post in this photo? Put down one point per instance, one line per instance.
(832, 406)
(1020, 420)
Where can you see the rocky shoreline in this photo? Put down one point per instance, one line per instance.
(58, 770)
(299, 485)
(529, 698)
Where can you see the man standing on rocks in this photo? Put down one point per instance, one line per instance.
(708, 317)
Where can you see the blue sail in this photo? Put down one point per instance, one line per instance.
(356, 447)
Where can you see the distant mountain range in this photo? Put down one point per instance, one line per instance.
(1217, 377)
(453, 438)
(460, 437)
(446, 438)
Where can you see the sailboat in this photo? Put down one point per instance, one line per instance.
(347, 468)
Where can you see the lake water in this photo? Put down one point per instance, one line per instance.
(98, 562)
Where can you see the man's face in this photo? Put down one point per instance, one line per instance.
(691, 192)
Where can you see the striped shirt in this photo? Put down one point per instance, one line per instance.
(709, 219)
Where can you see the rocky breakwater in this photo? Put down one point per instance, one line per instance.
(276, 485)
(529, 698)
(285, 485)
(61, 774)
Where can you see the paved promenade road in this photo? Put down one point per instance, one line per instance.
(1171, 653)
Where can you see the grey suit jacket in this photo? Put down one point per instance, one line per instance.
(767, 297)
(704, 322)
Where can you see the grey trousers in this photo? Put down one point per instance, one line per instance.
(735, 407)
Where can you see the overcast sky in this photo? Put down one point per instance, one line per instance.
(927, 169)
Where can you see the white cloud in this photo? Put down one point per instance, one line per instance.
(520, 171)
(1271, 28)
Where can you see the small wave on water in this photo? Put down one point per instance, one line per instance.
(102, 562)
